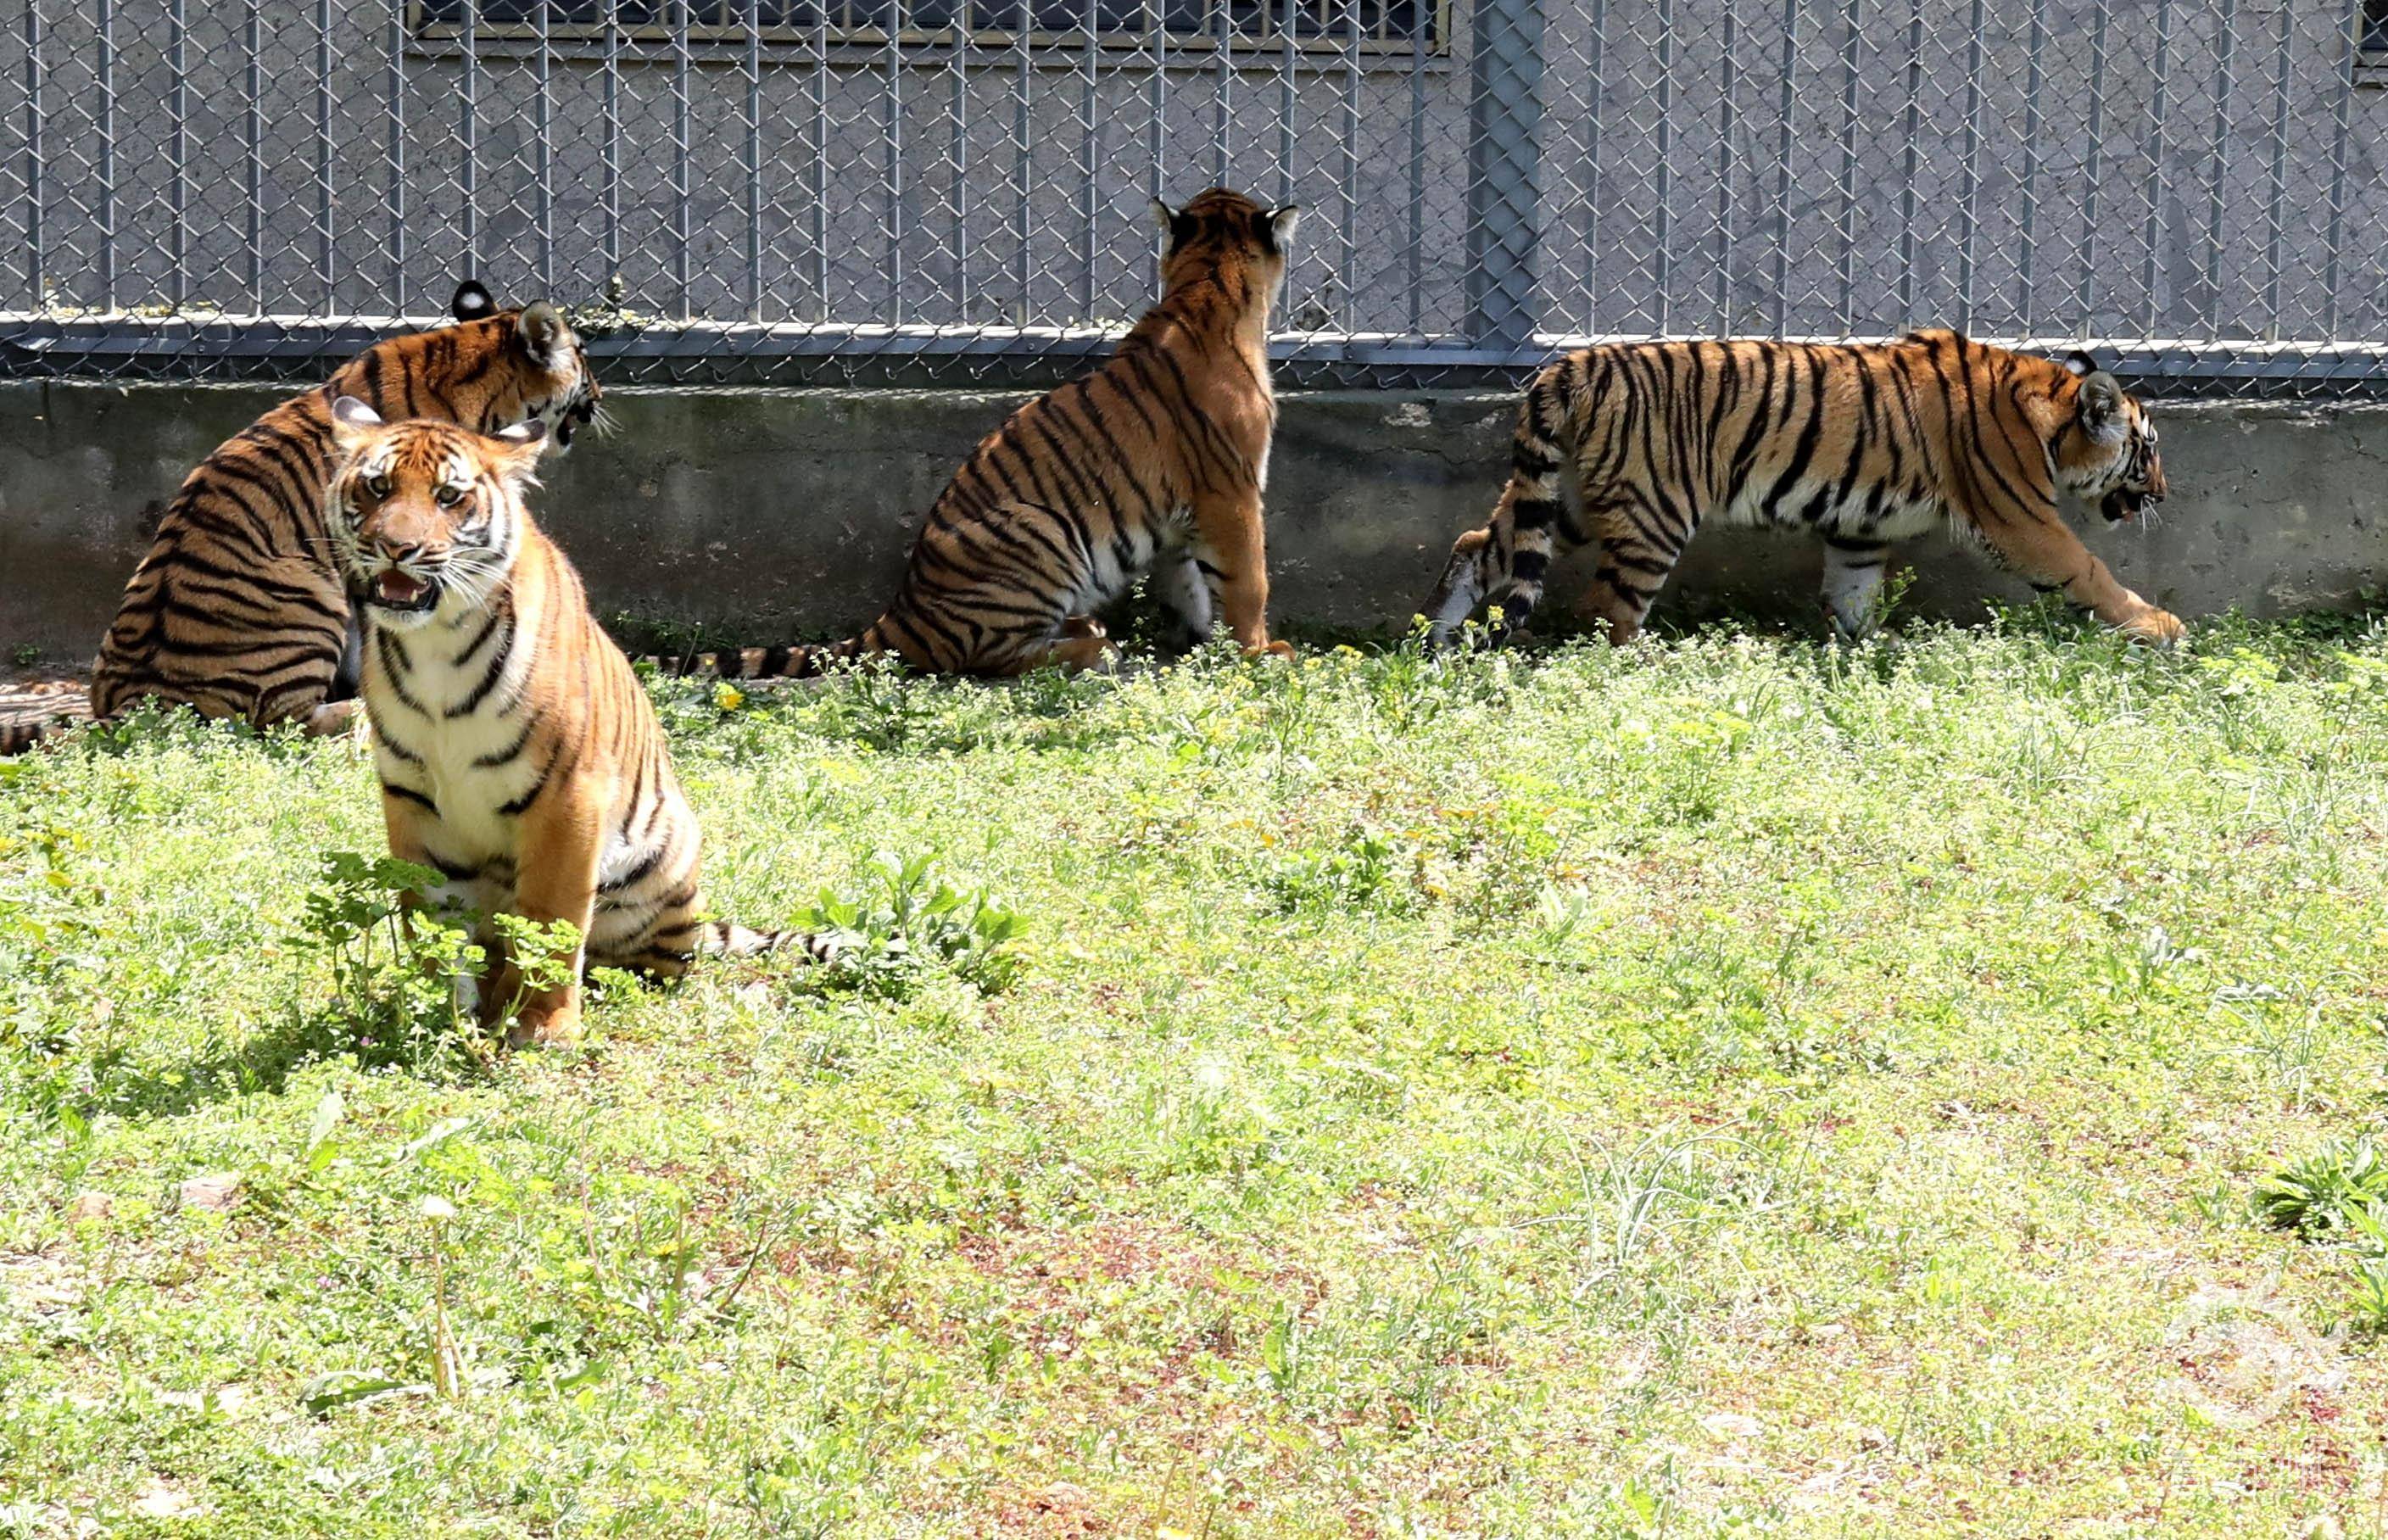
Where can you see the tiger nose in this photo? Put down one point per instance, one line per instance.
(399, 551)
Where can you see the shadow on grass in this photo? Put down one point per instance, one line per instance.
(262, 1064)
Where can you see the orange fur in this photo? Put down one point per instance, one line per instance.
(236, 609)
(1155, 462)
(518, 754)
(1861, 445)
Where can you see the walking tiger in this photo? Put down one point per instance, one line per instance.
(1860, 444)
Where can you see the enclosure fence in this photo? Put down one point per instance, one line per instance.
(956, 191)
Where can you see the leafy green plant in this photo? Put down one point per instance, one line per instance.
(908, 919)
(402, 972)
(1356, 871)
(57, 935)
(545, 956)
(2339, 1195)
(2325, 1195)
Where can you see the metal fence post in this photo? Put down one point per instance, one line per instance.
(1504, 113)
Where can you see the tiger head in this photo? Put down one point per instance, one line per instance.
(424, 513)
(2107, 453)
(1220, 228)
(548, 379)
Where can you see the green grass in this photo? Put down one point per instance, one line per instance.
(1721, 1086)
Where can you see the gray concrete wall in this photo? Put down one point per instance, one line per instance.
(789, 512)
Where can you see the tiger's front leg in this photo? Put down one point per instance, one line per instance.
(447, 901)
(1853, 573)
(2053, 559)
(1636, 556)
(562, 836)
(1228, 530)
(1460, 589)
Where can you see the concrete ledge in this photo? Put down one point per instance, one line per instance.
(780, 512)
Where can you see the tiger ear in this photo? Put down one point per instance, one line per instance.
(352, 422)
(2102, 404)
(518, 453)
(472, 301)
(2079, 362)
(1162, 215)
(547, 337)
(1281, 223)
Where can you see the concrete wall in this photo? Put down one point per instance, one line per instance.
(790, 512)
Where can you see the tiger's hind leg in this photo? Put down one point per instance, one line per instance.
(1183, 590)
(1853, 573)
(662, 938)
(995, 594)
(332, 719)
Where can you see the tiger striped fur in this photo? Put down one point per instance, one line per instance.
(1862, 445)
(237, 610)
(1156, 460)
(518, 755)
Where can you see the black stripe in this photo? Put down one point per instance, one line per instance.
(489, 676)
(639, 873)
(507, 754)
(407, 795)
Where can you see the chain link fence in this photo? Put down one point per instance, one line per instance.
(954, 191)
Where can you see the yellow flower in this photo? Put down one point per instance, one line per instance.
(727, 696)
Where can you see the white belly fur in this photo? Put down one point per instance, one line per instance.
(469, 830)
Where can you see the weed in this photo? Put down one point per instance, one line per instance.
(2321, 1195)
(907, 918)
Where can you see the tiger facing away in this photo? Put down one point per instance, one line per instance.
(1860, 444)
(1155, 462)
(238, 610)
(519, 756)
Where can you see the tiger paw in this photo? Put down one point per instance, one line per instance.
(2156, 628)
(546, 1026)
(1281, 650)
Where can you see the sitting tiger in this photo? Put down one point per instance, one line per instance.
(518, 754)
(237, 610)
(1156, 460)
(1860, 444)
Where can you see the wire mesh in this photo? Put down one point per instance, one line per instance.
(954, 191)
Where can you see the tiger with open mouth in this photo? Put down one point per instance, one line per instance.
(235, 610)
(518, 755)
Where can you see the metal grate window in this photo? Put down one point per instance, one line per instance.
(1381, 26)
(955, 191)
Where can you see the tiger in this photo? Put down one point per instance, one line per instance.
(1863, 444)
(519, 756)
(235, 610)
(1157, 460)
